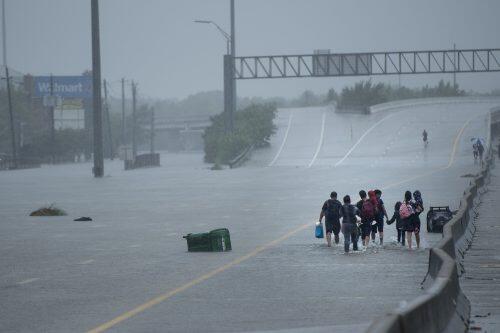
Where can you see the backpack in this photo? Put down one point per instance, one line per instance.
(405, 210)
(375, 202)
(376, 205)
(333, 210)
(368, 210)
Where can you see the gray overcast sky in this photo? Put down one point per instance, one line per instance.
(156, 43)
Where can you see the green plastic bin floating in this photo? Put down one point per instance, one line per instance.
(217, 240)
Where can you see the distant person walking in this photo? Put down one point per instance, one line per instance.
(399, 223)
(367, 210)
(480, 150)
(424, 137)
(331, 210)
(350, 214)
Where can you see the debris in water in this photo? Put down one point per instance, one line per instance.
(48, 211)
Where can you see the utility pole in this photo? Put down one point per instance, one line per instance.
(96, 87)
(4, 34)
(233, 81)
(108, 121)
(52, 121)
(123, 111)
(9, 93)
(152, 138)
(134, 120)
(11, 119)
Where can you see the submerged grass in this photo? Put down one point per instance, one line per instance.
(49, 211)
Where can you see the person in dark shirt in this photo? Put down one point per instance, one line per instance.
(399, 223)
(331, 211)
(350, 215)
(379, 218)
(366, 218)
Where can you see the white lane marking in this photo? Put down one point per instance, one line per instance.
(28, 281)
(320, 143)
(139, 245)
(284, 140)
(362, 137)
(86, 262)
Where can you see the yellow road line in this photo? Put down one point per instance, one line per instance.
(154, 301)
(455, 144)
(163, 297)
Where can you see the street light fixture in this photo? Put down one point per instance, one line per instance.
(229, 70)
(223, 33)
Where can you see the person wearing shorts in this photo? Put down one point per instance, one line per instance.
(366, 223)
(331, 211)
(418, 207)
(409, 222)
(379, 218)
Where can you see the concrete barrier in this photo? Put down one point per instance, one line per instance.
(143, 161)
(443, 307)
(405, 103)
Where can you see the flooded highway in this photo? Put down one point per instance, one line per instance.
(129, 270)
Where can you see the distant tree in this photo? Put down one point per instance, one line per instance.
(331, 96)
(253, 125)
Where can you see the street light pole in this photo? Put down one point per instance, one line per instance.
(228, 69)
(11, 118)
(454, 66)
(232, 109)
(223, 33)
(228, 73)
(4, 33)
(96, 87)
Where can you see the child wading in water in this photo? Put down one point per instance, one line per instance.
(399, 223)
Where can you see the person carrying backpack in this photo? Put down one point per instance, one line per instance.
(406, 212)
(350, 214)
(331, 211)
(399, 223)
(367, 210)
(379, 217)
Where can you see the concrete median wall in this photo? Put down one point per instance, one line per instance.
(405, 103)
(443, 307)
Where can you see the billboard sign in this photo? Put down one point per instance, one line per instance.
(64, 86)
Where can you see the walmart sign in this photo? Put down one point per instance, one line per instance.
(64, 86)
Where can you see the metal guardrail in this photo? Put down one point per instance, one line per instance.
(241, 158)
(443, 307)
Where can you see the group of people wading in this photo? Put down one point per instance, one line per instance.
(366, 218)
